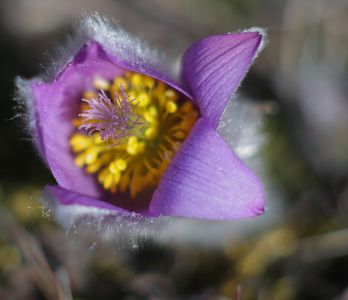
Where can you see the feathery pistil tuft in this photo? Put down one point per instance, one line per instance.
(114, 119)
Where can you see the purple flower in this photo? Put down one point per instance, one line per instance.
(122, 133)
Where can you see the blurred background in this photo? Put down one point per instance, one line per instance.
(301, 75)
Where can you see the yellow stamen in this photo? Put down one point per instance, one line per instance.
(171, 107)
(80, 159)
(90, 169)
(117, 166)
(79, 142)
(101, 83)
(143, 99)
(170, 94)
(137, 80)
(132, 145)
(108, 181)
(121, 164)
(151, 133)
(120, 80)
(91, 157)
(89, 95)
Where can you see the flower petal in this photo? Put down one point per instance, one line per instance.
(66, 197)
(207, 180)
(119, 202)
(57, 104)
(215, 66)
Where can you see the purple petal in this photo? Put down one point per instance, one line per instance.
(207, 180)
(57, 104)
(120, 202)
(65, 197)
(151, 70)
(215, 66)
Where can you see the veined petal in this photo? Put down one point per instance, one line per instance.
(207, 180)
(215, 66)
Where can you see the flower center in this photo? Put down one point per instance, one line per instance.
(135, 125)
